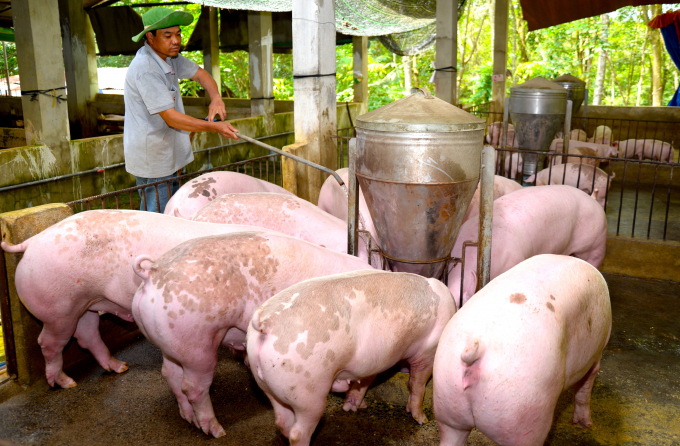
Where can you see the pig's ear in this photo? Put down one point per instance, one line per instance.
(137, 266)
(470, 286)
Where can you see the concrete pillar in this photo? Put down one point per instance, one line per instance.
(500, 56)
(315, 112)
(360, 68)
(74, 30)
(446, 51)
(18, 226)
(211, 46)
(41, 67)
(261, 63)
(91, 44)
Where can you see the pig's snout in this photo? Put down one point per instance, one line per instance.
(137, 266)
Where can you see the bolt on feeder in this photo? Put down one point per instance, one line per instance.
(417, 161)
(537, 108)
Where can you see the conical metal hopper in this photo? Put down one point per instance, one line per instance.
(576, 90)
(537, 110)
(417, 161)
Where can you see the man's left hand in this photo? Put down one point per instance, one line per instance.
(216, 107)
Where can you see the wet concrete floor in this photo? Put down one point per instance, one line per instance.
(636, 398)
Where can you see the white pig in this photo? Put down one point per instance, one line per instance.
(507, 355)
(576, 175)
(648, 149)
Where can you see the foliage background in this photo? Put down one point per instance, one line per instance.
(569, 48)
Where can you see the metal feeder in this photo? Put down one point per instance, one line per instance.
(418, 163)
(576, 90)
(538, 108)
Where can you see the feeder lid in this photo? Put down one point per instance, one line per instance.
(568, 79)
(420, 113)
(538, 87)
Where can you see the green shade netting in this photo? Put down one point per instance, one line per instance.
(6, 35)
(406, 26)
(354, 17)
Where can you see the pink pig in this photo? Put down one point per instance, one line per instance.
(578, 135)
(501, 186)
(603, 150)
(337, 333)
(202, 293)
(507, 355)
(577, 175)
(334, 200)
(81, 265)
(602, 135)
(648, 149)
(494, 132)
(287, 214)
(200, 191)
(534, 220)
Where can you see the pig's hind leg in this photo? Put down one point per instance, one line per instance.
(197, 379)
(582, 391)
(173, 374)
(52, 340)
(449, 436)
(419, 373)
(307, 418)
(89, 338)
(355, 395)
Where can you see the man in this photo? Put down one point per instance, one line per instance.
(156, 140)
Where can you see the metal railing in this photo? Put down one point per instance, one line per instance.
(652, 132)
(102, 169)
(263, 167)
(641, 187)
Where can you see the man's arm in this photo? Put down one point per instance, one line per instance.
(181, 121)
(210, 86)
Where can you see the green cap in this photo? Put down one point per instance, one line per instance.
(161, 18)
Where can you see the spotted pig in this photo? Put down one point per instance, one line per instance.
(200, 191)
(202, 294)
(336, 333)
(287, 214)
(82, 265)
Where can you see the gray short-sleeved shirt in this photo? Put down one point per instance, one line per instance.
(152, 148)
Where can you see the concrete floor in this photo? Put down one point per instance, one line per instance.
(636, 398)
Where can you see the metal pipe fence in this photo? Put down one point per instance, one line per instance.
(638, 193)
(267, 168)
(650, 133)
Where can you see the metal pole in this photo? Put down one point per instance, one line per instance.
(567, 127)
(296, 158)
(504, 136)
(4, 52)
(353, 206)
(485, 217)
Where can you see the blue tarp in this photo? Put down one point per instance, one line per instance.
(670, 36)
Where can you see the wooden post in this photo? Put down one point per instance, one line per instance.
(446, 51)
(261, 63)
(315, 112)
(500, 56)
(211, 47)
(360, 69)
(41, 67)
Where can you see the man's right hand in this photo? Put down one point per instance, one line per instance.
(225, 129)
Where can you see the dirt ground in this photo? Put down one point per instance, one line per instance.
(636, 398)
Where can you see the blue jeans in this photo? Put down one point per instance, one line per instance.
(150, 193)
